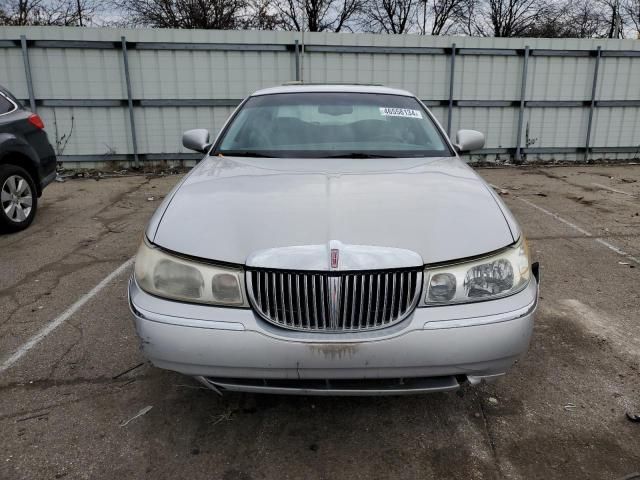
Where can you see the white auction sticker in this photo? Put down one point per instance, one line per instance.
(400, 112)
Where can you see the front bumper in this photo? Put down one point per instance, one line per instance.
(436, 347)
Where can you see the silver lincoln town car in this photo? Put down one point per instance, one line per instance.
(332, 242)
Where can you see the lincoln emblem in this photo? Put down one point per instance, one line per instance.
(335, 258)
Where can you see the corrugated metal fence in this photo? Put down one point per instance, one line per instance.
(126, 95)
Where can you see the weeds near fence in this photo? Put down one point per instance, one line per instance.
(61, 141)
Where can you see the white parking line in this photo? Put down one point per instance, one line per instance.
(604, 187)
(556, 216)
(610, 246)
(55, 323)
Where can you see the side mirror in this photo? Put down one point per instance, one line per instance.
(467, 140)
(197, 139)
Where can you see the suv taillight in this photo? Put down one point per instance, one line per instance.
(36, 121)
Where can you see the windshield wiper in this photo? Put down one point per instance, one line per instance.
(245, 153)
(248, 153)
(359, 155)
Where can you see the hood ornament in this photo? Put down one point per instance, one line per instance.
(335, 258)
(334, 283)
(333, 249)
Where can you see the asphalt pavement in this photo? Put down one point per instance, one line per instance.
(71, 375)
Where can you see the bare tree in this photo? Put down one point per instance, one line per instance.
(580, 19)
(390, 16)
(612, 13)
(47, 12)
(205, 14)
(575, 19)
(261, 15)
(466, 17)
(498, 18)
(511, 18)
(20, 12)
(318, 15)
(444, 16)
(631, 10)
(587, 19)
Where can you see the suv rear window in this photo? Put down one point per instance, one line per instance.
(5, 105)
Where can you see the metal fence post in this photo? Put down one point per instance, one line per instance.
(593, 103)
(523, 91)
(27, 71)
(297, 55)
(451, 76)
(130, 102)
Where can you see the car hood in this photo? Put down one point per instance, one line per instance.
(229, 209)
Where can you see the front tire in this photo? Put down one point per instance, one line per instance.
(18, 198)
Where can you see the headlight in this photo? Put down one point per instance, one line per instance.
(499, 275)
(169, 276)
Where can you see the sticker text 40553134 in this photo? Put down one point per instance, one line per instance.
(400, 112)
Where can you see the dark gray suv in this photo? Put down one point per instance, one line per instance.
(27, 163)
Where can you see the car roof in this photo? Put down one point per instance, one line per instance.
(346, 88)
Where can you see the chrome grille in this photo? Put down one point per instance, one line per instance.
(334, 301)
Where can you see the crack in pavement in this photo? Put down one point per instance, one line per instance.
(56, 363)
(487, 429)
(47, 383)
(553, 176)
(58, 268)
(107, 381)
(81, 245)
(60, 271)
(18, 239)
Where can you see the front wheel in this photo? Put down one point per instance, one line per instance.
(18, 198)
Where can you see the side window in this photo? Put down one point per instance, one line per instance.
(5, 105)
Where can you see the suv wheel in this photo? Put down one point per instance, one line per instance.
(18, 198)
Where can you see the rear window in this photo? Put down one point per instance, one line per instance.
(5, 105)
(328, 124)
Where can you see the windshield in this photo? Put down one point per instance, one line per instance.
(325, 125)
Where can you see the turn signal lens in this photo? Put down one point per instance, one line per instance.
(226, 289)
(442, 287)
